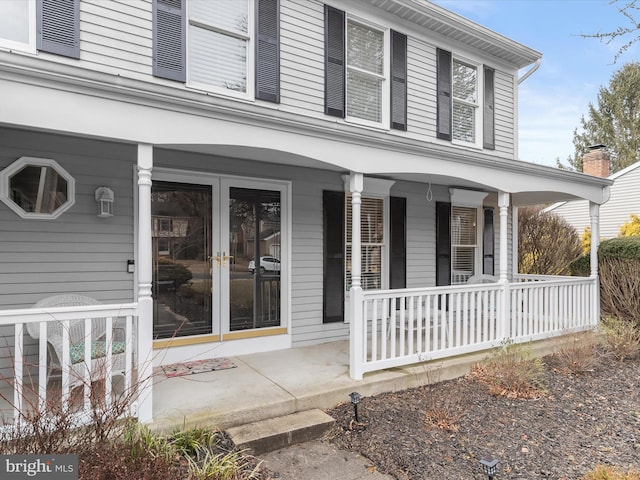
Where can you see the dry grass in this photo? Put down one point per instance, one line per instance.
(512, 371)
(621, 338)
(602, 472)
(580, 354)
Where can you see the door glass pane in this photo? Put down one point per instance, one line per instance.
(254, 269)
(181, 240)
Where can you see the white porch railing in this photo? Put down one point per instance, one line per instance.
(405, 326)
(26, 364)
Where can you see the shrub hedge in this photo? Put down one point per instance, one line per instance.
(619, 269)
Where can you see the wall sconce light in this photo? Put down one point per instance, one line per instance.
(104, 196)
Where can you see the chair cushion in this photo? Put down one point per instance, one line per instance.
(98, 350)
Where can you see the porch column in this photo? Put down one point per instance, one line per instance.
(514, 242)
(503, 203)
(356, 330)
(144, 270)
(594, 213)
(504, 317)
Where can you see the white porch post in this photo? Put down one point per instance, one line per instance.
(594, 213)
(514, 242)
(356, 330)
(503, 327)
(145, 301)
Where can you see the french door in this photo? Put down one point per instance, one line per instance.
(217, 256)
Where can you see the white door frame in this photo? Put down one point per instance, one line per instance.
(191, 348)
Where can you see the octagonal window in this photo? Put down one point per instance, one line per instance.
(37, 188)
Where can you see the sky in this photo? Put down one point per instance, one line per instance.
(573, 68)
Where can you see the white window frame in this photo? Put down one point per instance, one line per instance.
(249, 94)
(477, 105)
(30, 46)
(22, 162)
(386, 69)
(477, 257)
(383, 245)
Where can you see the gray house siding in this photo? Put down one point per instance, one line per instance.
(77, 252)
(623, 202)
(116, 38)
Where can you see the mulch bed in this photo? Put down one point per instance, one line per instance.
(584, 420)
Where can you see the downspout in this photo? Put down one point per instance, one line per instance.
(530, 72)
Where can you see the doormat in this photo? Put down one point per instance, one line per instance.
(197, 366)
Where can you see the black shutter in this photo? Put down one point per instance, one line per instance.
(443, 243)
(488, 122)
(333, 254)
(444, 112)
(334, 81)
(488, 242)
(58, 27)
(268, 50)
(398, 242)
(169, 49)
(398, 81)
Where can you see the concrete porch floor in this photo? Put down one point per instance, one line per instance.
(273, 384)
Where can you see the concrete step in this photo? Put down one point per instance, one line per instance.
(275, 433)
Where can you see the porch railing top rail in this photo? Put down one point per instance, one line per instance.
(534, 277)
(28, 315)
(405, 292)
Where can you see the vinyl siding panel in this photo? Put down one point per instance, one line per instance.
(302, 57)
(77, 252)
(504, 113)
(421, 89)
(623, 202)
(115, 36)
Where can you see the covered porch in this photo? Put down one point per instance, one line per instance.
(387, 328)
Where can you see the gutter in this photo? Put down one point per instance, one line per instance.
(535, 67)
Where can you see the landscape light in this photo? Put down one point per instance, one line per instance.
(489, 466)
(355, 399)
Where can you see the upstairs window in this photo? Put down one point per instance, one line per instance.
(365, 71)
(49, 25)
(17, 24)
(465, 101)
(211, 45)
(219, 44)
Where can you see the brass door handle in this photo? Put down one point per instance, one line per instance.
(225, 258)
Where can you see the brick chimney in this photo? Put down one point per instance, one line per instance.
(596, 161)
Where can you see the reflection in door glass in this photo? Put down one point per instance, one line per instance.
(181, 236)
(254, 241)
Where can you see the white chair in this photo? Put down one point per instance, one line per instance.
(481, 278)
(76, 332)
